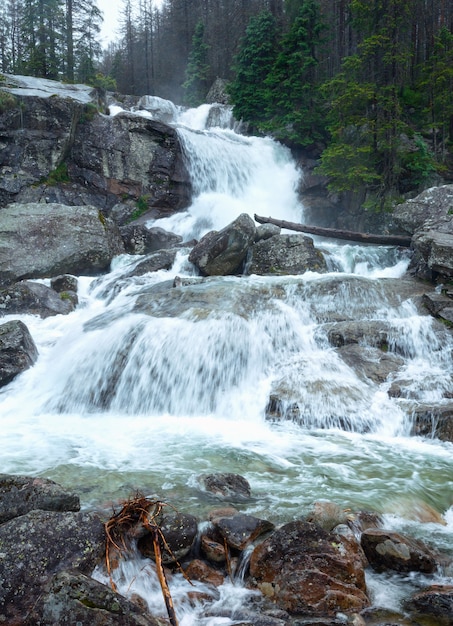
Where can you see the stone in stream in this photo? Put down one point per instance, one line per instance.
(386, 549)
(18, 351)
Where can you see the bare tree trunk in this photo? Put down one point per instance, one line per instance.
(334, 233)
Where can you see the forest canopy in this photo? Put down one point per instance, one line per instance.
(366, 85)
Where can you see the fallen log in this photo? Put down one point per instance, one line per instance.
(334, 233)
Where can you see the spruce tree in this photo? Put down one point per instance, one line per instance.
(197, 73)
(256, 56)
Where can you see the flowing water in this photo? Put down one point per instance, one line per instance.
(121, 400)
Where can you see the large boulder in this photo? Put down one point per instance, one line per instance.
(28, 297)
(285, 254)
(221, 253)
(429, 219)
(42, 240)
(18, 351)
(56, 147)
(431, 205)
(307, 570)
(21, 494)
(37, 545)
(75, 598)
(131, 156)
(386, 549)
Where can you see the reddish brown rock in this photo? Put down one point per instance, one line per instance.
(240, 530)
(307, 570)
(436, 600)
(199, 570)
(389, 550)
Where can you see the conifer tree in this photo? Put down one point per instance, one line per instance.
(256, 56)
(198, 70)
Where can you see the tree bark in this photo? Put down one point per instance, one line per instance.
(334, 233)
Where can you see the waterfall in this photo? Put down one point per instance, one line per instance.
(306, 385)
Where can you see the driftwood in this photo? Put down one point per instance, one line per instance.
(143, 512)
(334, 233)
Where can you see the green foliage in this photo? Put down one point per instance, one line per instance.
(142, 207)
(198, 70)
(292, 100)
(89, 112)
(102, 82)
(7, 101)
(419, 163)
(255, 59)
(58, 175)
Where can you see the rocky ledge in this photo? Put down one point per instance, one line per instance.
(309, 571)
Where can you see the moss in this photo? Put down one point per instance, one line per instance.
(102, 218)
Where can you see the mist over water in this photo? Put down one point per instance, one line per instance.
(121, 400)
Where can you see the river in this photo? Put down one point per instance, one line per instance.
(120, 401)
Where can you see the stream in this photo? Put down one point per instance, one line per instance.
(120, 400)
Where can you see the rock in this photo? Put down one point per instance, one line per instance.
(35, 546)
(138, 239)
(18, 351)
(21, 494)
(56, 147)
(433, 253)
(306, 570)
(432, 204)
(429, 219)
(179, 531)
(218, 92)
(228, 486)
(266, 231)
(35, 299)
(222, 253)
(241, 530)
(43, 240)
(285, 254)
(198, 570)
(358, 332)
(326, 514)
(367, 362)
(430, 420)
(414, 509)
(213, 550)
(131, 156)
(160, 260)
(74, 598)
(159, 108)
(64, 283)
(386, 549)
(436, 600)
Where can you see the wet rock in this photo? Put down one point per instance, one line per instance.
(430, 420)
(433, 256)
(40, 240)
(73, 598)
(213, 550)
(369, 363)
(160, 260)
(285, 254)
(389, 550)
(21, 494)
(179, 532)
(64, 283)
(32, 298)
(241, 530)
(201, 571)
(223, 252)
(38, 544)
(326, 514)
(432, 204)
(266, 231)
(414, 509)
(218, 92)
(439, 305)
(436, 601)
(224, 485)
(356, 332)
(138, 239)
(306, 570)
(18, 351)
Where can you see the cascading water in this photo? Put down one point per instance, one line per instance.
(145, 388)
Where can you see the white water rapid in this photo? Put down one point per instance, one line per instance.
(122, 400)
